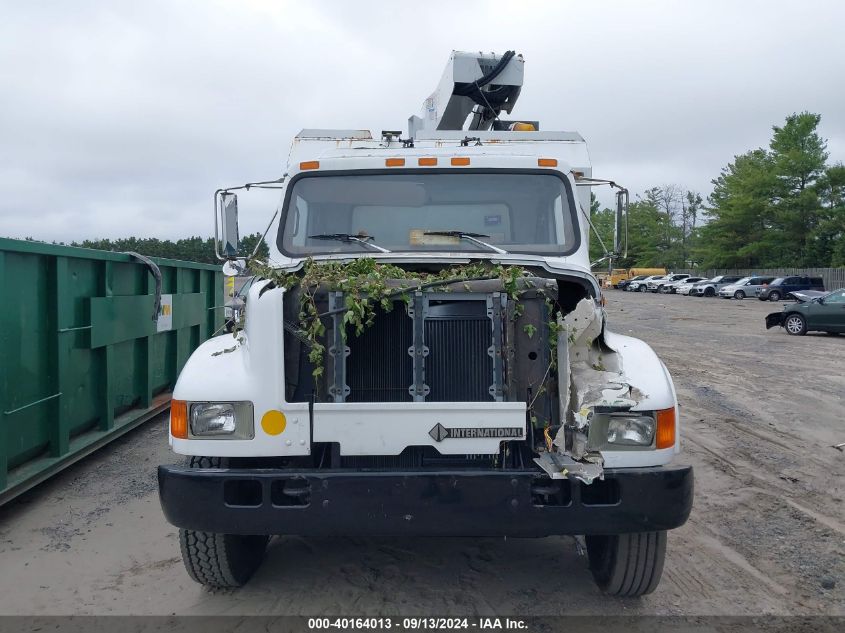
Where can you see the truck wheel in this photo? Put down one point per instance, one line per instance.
(220, 560)
(627, 565)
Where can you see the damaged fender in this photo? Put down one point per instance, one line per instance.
(597, 368)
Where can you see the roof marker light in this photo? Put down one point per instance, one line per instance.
(394, 162)
(547, 162)
(460, 161)
(309, 164)
(427, 162)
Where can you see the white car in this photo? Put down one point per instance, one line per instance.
(685, 286)
(641, 286)
(657, 285)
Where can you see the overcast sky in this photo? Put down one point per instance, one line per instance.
(121, 118)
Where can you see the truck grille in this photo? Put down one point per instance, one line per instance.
(379, 368)
(456, 365)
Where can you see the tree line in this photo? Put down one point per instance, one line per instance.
(190, 249)
(783, 206)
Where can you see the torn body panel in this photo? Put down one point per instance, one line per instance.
(595, 379)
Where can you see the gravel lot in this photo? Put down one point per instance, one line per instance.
(760, 413)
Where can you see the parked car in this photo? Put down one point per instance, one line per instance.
(819, 314)
(651, 284)
(618, 275)
(623, 285)
(745, 287)
(783, 287)
(641, 285)
(670, 288)
(685, 286)
(710, 287)
(657, 285)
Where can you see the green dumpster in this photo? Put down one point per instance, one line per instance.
(85, 353)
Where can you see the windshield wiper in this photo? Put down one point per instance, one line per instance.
(348, 237)
(469, 237)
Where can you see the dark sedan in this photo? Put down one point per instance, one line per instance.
(817, 314)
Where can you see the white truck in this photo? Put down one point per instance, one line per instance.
(480, 394)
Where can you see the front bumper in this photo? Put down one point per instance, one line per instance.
(458, 503)
(774, 319)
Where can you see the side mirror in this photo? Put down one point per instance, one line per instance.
(230, 225)
(234, 267)
(621, 223)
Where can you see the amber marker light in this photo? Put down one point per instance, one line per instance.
(179, 419)
(309, 164)
(394, 162)
(665, 436)
(427, 162)
(460, 161)
(547, 162)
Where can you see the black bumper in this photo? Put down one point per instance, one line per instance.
(774, 319)
(460, 503)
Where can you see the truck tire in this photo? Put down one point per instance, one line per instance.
(220, 560)
(627, 565)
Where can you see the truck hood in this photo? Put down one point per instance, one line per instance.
(561, 266)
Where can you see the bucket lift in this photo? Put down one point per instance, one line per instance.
(478, 84)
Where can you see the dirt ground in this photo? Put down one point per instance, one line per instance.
(760, 413)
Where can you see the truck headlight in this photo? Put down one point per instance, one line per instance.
(630, 430)
(221, 420)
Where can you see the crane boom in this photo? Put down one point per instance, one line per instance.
(477, 84)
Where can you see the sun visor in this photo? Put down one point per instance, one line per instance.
(364, 191)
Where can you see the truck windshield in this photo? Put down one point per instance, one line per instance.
(524, 212)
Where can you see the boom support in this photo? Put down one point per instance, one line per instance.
(477, 84)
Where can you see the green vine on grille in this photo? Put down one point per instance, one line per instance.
(368, 285)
